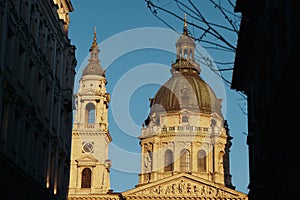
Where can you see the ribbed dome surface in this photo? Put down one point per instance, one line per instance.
(93, 68)
(185, 91)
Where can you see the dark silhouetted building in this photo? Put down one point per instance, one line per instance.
(266, 70)
(37, 69)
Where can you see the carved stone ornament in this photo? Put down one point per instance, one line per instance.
(185, 185)
(148, 161)
(89, 91)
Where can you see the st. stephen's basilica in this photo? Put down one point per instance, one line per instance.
(185, 141)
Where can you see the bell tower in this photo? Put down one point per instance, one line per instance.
(90, 166)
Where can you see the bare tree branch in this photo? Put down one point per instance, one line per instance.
(215, 35)
(197, 15)
(221, 9)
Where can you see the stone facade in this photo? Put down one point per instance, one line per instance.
(37, 69)
(90, 136)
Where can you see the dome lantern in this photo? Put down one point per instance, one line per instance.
(185, 48)
(185, 90)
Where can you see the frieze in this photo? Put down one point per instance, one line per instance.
(103, 197)
(89, 91)
(185, 188)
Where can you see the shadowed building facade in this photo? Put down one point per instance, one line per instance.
(265, 69)
(37, 70)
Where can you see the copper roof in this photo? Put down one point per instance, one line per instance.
(185, 91)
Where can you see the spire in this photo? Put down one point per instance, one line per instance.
(94, 50)
(185, 31)
(94, 66)
(94, 45)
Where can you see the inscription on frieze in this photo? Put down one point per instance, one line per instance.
(183, 187)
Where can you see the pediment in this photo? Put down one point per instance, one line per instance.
(185, 185)
(87, 160)
(184, 111)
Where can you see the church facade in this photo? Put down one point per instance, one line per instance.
(184, 141)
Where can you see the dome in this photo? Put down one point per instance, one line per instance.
(93, 68)
(185, 91)
(185, 40)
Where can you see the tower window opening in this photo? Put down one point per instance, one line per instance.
(86, 178)
(169, 161)
(90, 113)
(191, 54)
(201, 161)
(179, 54)
(186, 55)
(185, 160)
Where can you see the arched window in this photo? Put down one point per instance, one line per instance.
(169, 160)
(201, 161)
(86, 178)
(184, 160)
(90, 113)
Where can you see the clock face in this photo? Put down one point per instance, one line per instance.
(88, 147)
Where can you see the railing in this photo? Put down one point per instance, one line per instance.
(90, 126)
(175, 129)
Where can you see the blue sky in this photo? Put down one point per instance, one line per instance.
(137, 50)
